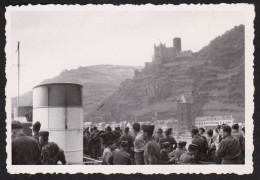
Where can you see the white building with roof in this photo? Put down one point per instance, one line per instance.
(211, 122)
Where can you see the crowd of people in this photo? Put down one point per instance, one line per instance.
(34, 149)
(223, 145)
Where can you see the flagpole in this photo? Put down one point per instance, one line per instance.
(18, 49)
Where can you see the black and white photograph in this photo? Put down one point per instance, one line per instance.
(130, 89)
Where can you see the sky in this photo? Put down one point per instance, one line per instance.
(53, 41)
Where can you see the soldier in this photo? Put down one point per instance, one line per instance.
(188, 157)
(36, 129)
(25, 149)
(201, 143)
(138, 144)
(108, 152)
(181, 149)
(159, 135)
(51, 154)
(95, 143)
(121, 157)
(151, 148)
(229, 149)
(168, 138)
(129, 139)
(241, 138)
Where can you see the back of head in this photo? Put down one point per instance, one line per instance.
(37, 126)
(124, 144)
(182, 144)
(117, 129)
(192, 147)
(136, 127)
(202, 130)
(168, 132)
(16, 125)
(243, 129)
(226, 128)
(210, 132)
(108, 128)
(95, 128)
(127, 130)
(235, 127)
(148, 128)
(194, 130)
(160, 131)
(44, 135)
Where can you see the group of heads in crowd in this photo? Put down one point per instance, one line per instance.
(34, 148)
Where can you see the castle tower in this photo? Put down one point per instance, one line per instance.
(177, 44)
(184, 115)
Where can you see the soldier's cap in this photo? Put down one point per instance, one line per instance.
(235, 126)
(16, 125)
(148, 128)
(36, 125)
(44, 134)
(159, 130)
(182, 143)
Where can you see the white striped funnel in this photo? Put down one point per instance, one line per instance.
(58, 107)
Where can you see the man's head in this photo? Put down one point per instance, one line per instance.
(124, 145)
(226, 131)
(117, 129)
(193, 148)
(95, 128)
(108, 128)
(36, 126)
(148, 131)
(243, 130)
(17, 128)
(136, 127)
(44, 136)
(181, 144)
(160, 131)
(210, 132)
(218, 128)
(194, 131)
(235, 127)
(168, 132)
(111, 145)
(126, 130)
(201, 131)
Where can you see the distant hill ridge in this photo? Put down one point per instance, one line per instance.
(98, 81)
(212, 79)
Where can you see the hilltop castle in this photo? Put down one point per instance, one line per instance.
(163, 54)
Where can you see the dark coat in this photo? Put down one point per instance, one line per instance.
(25, 150)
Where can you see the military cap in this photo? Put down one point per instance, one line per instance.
(182, 143)
(235, 126)
(44, 134)
(194, 130)
(36, 125)
(16, 125)
(148, 128)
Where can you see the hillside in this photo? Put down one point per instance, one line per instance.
(99, 82)
(212, 80)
